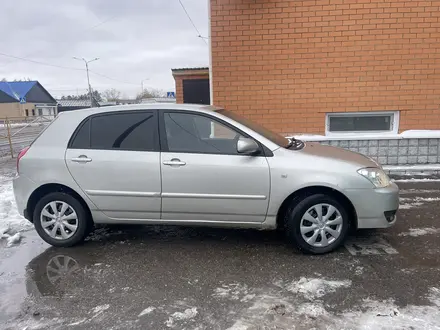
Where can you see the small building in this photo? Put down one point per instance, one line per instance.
(69, 105)
(192, 85)
(127, 101)
(24, 99)
(158, 100)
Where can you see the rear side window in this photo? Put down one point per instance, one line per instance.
(81, 139)
(134, 131)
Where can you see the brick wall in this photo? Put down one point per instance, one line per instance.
(286, 63)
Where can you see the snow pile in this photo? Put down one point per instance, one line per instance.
(146, 311)
(187, 314)
(10, 219)
(276, 311)
(312, 288)
(415, 232)
(14, 239)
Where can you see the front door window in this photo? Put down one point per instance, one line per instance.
(191, 133)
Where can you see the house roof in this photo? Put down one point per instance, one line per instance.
(17, 89)
(189, 69)
(81, 103)
(200, 71)
(158, 100)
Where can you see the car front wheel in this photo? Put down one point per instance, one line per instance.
(61, 220)
(317, 224)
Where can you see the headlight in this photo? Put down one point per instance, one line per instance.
(376, 176)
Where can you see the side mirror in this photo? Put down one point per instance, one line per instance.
(247, 146)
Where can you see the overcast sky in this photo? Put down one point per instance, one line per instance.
(134, 39)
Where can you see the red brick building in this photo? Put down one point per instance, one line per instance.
(328, 66)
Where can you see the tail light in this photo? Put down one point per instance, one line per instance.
(20, 155)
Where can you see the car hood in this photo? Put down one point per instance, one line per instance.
(338, 154)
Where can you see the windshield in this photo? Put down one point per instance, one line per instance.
(267, 133)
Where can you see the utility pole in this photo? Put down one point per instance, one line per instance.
(88, 79)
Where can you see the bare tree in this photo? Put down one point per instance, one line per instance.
(150, 93)
(111, 95)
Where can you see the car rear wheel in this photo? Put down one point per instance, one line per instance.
(61, 220)
(317, 224)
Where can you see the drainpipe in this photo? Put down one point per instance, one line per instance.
(211, 90)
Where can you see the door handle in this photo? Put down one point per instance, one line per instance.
(174, 162)
(81, 159)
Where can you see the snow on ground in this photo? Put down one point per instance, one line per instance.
(234, 291)
(427, 199)
(146, 311)
(14, 239)
(409, 203)
(11, 221)
(100, 309)
(187, 314)
(413, 169)
(416, 180)
(278, 311)
(407, 206)
(312, 288)
(415, 232)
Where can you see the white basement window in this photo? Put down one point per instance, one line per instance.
(362, 122)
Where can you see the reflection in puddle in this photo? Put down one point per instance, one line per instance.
(60, 267)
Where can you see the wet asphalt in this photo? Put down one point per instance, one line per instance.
(202, 278)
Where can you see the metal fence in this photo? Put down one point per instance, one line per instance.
(18, 133)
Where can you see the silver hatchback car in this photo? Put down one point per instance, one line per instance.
(195, 165)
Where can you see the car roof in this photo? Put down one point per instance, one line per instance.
(151, 106)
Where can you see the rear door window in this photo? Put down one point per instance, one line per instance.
(133, 131)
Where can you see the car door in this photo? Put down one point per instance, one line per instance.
(115, 159)
(203, 176)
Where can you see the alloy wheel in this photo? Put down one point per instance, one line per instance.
(59, 220)
(321, 225)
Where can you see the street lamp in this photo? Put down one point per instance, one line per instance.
(142, 85)
(88, 79)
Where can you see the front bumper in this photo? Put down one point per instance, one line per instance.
(375, 207)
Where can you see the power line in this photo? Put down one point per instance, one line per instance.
(64, 40)
(192, 22)
(99, 24)
(66, 68)
(41, 63)
(110, 78)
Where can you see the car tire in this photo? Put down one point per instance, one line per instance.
(75, 215)
(305, 227)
